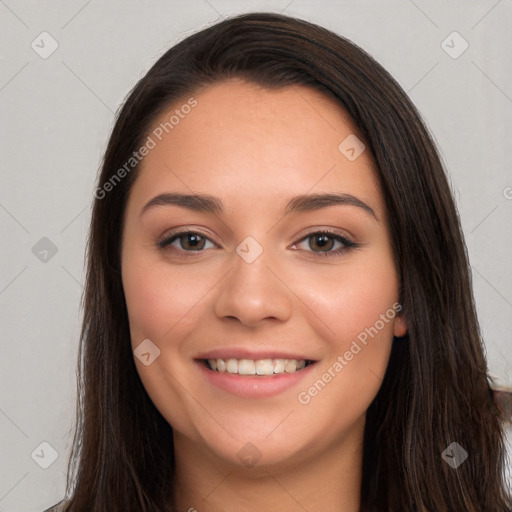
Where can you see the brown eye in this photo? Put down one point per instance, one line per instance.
(192, 241)
(322, 243)
(187, 241)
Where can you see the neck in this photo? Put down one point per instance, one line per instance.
(332, 479)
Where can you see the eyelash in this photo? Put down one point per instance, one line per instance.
(348, 245)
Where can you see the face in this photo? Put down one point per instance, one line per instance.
(302, 292)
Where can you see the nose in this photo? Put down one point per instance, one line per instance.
(252, 292)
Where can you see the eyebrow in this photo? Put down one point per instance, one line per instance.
(303, 203)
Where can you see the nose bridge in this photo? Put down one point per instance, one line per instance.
(251, 291)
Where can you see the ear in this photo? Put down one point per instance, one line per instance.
(399, 325)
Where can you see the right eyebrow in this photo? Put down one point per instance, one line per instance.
(195, 202)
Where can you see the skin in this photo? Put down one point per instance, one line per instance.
(255, 148)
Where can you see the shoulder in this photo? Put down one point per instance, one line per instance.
(59, 507)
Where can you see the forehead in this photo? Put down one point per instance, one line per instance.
(251, 145)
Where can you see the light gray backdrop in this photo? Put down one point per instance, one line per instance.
(65, 68)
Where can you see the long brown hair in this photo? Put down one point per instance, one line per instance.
(435, 390)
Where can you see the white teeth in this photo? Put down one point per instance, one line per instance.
(232, 366)
(246, 367)
(279, 365)
(256, 367)
(264, 367)
(290, 366)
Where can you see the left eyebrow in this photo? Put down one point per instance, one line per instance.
(303, 203)
(311, 202)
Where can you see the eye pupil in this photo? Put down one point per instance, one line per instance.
(325, 241)
(193, 240)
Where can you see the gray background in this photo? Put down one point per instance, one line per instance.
(56, 116)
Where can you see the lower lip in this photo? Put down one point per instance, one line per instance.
(247, 386)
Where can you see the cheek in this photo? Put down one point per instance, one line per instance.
(157, 300)
(349, 300)
(354, 308)
(160, 305)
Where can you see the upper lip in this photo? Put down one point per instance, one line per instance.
(246, 353)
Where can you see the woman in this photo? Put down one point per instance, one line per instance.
(278, 308)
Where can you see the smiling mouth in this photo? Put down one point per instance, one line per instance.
(256, 367)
